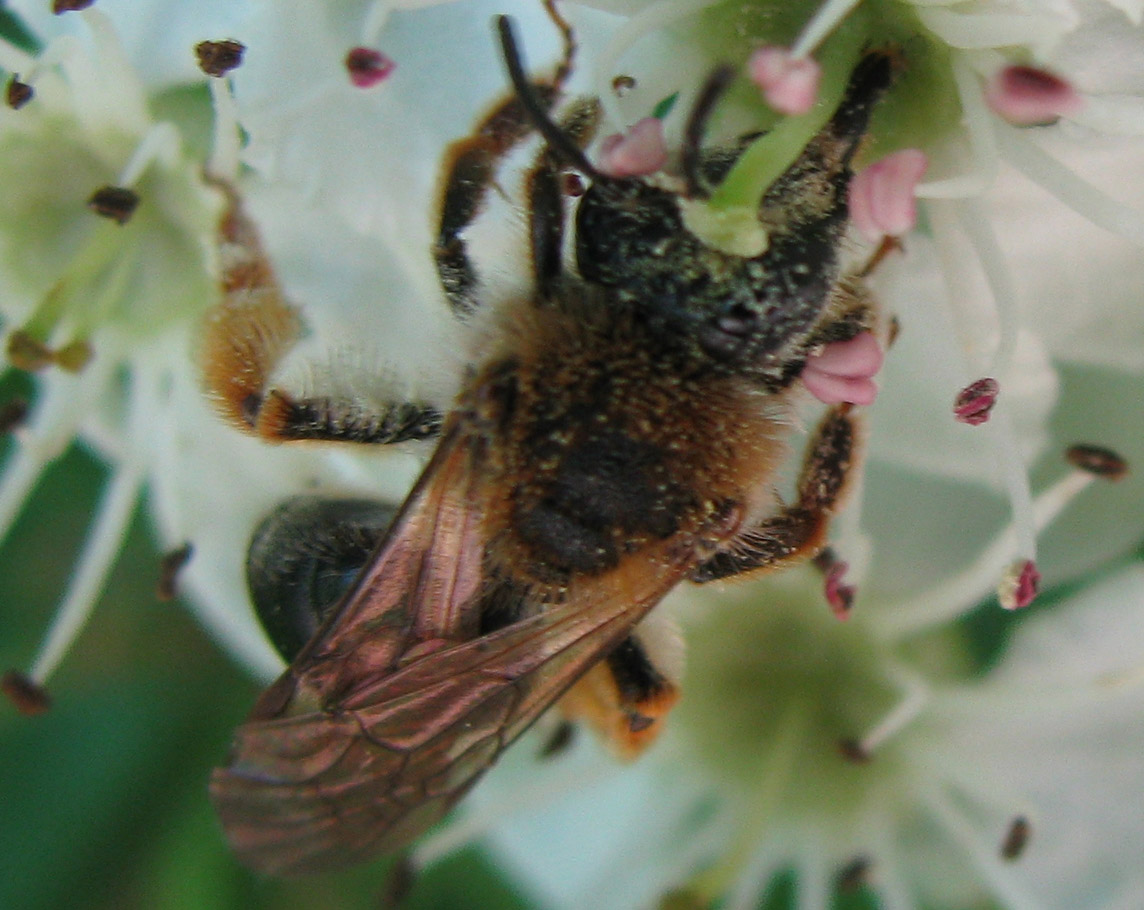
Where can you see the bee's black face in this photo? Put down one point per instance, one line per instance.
(735, 310)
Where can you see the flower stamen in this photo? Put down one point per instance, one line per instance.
(982, 141)
(368, 67)
(1029, 96)
(1016, 838)
(789, 83)
(218, 58)
(638, 151)
(28, 697)
(116, 203)
(104, 541)
(824, 21)
(18, 93)
(839, 596)
(166, 589)
(915, 697)
(854, 875)
(226, 134)
(946, 601)
(1097, 460)
(13, 413)
(975, 402)
(70, 6)
(1004, 886)
(376, 17)
(159, 144)
(1019, 585)
(882, 196)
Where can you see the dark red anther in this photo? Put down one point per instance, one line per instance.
(1097, 460)
(573, 185)
(368, 67)
(1030, 96)
(840, 597)
(1016, 838)
(1020, 586)
(621, 85)
(853, 875)
(217, 58)
(117, 203)
(18, 93)
(853, 751)
(70, 6)
(169, 569)
(25, 693)
(974, 403)
(12, 415)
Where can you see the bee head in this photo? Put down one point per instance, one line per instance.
(746, 311)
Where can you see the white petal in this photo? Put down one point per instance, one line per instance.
(1057, 732)
(1078, 283)
(912, 421)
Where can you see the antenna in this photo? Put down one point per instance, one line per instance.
(557, 139)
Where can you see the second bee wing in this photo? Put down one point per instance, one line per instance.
(397, 707)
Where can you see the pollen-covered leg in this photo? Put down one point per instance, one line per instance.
(799, 530)
(625, 697)
(246, 337)
(546, 188)
(469, 169)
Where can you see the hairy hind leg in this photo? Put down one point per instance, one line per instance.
(245, 339)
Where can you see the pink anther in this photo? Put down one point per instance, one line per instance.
(639, 151)
(844, 371)
(882, 202)
(788, 83)
(1028, 96)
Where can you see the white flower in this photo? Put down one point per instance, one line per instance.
(131, 297)
(749, 781)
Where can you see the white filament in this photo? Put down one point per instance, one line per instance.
(948, 600)
(223, 163)
(104, 541)
(821, 24)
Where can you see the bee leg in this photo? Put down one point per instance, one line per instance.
(303, 558)
(798, 531)
(626, 696)
(248, 334)
(468, 171)
(546, 188)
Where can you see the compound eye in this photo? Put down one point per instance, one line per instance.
(304, 557)
(726, 335)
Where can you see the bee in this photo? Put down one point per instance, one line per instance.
(619, 434)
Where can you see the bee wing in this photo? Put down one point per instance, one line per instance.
(387, 718)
